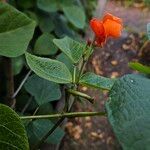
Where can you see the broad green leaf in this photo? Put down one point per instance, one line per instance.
(71, 48)
(38, 128)
(44, 45)
(49, 69)
(148, 30)
(67, 2)
(12, 132)
(75, 15)
(128, 111)
(63, 58)
(17, 64)
(64, 29)
(46, 23)
(16, 31)
(43, 90)
(32, 15)
(53, 5)
(93, 80)
(48, 5)
(139, 67)
(45, 109)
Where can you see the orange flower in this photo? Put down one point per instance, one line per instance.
(109, 26)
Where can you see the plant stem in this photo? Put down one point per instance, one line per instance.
(67, 96)
(27, 105)
(9, 81)
(81, 69)
(65, 115)
(80, 94)
(74, 74)
(21, 84)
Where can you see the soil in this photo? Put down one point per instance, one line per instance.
(94, 133)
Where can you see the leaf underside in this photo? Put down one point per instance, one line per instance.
(128, 111)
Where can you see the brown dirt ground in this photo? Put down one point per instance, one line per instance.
(112, 61)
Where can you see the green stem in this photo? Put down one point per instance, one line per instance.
(81, 69)
(65, 115)
(74, 74)
(80, 94)
(21, 84)
(66, 107)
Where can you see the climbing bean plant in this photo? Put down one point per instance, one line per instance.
(42, 39)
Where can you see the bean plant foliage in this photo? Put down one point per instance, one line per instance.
(43, 51)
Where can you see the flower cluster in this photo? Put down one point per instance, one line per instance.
(109, 26)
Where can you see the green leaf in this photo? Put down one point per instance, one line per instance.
(43, 90)
(128, 111)
(63, 58)
(12, 132)
(75, 15)
(38, 128)
(71, 48)
(45, 109)
(46, 23)
(49, 69)
(139, 67)
(32, 15)
(93, 80)
(148, 30)
(17, 64)
(67, 2)
(48, 5)
(44, 45)
(16, 31)
(64, 29)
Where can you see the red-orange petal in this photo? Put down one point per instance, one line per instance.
(109, 16)
(97, 27)
(112, 28)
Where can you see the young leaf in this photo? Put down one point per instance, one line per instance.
(43, 90)
(12, 132)
(71, 48)
(148, 30)
(16, 31)
(46, 108)
(46, 23)
(139, 67)
(48, 5)
(44, 45)
(17, 64)
(128, 111)
(64, 59)
(64, 29)
(38, 128)
(75, 15)
(93, 80)
(49, 69)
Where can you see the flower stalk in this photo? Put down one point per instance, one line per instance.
(66, 115)
(80, 94)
